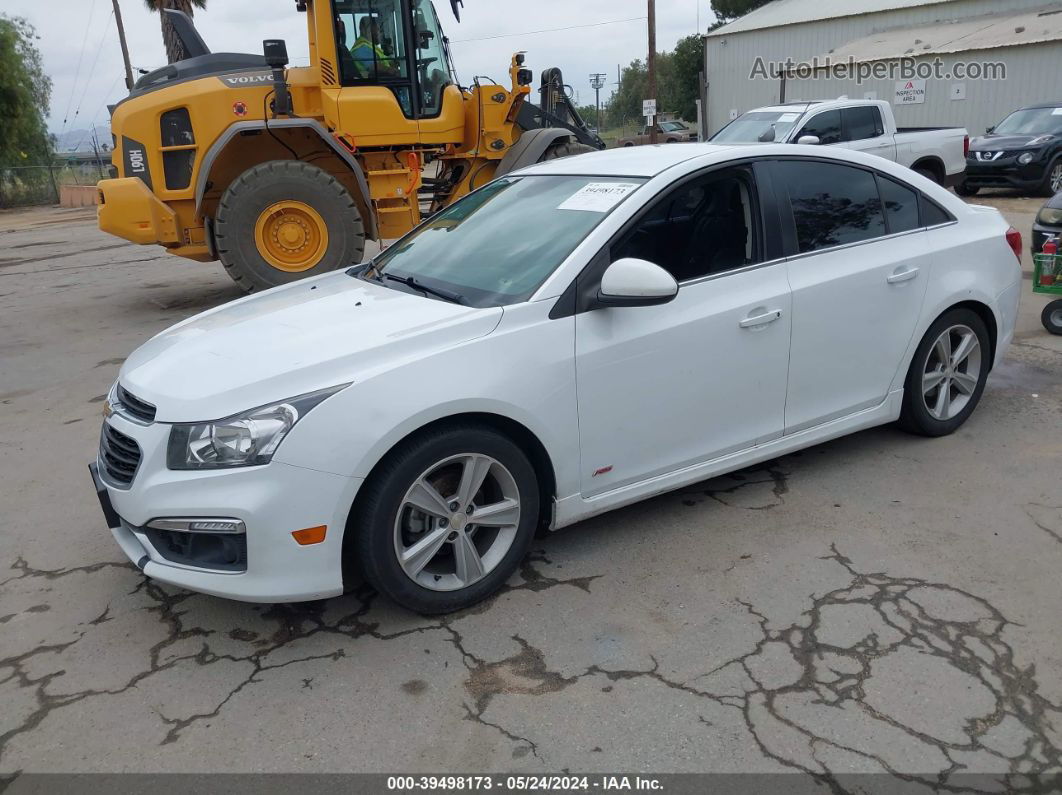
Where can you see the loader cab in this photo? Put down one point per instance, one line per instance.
(396, 45)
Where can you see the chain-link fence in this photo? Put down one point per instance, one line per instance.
(25, 186)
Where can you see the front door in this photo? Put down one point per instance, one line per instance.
(664, 387)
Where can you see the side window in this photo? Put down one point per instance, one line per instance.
(825, 126)
(705, 226)
(901, 205)
(832, 204)
(932, 214)
(862, 122)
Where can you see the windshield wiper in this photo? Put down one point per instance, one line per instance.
(409, 281)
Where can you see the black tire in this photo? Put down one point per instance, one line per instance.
(565, 149)
(962, 189)
(928, 173)
(266, 184)
(914, 415)
(1051, 317)
(1046, 189)
(370, 542)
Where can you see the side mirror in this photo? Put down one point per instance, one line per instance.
(990, 130)
(808, 140)
(636, 282)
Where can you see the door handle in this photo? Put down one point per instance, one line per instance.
(902, 276)
(761, 320)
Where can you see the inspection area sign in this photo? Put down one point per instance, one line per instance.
(910, 92)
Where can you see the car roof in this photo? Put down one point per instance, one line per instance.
(626, 161)
(1042, 105)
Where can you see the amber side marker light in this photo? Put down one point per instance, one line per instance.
(310, 535)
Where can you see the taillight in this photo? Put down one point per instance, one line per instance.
(1014, 241)
(966, 146)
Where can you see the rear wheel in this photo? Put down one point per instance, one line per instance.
(286, 220)
(565, 149)
(1051, 317)
(928, 173)
(964, 189)
(947, 374)
(445, 519)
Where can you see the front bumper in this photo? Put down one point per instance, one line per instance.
(128, 209)
(272, 500)
(1004, 173)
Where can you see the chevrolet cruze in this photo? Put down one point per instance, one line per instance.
(565, 340)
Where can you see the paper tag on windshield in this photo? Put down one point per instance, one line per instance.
(1057, 112)
(789, 117)
(597, 197)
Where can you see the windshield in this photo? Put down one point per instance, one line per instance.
(1032, 121)
(758, 126)
(672, 126)
(497, 245)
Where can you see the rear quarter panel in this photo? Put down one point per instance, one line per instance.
(971, 261)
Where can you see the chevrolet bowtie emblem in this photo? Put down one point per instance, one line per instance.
(108, 409)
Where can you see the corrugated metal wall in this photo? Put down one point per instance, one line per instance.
(1034, 72)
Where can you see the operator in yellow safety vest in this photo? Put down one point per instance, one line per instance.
(369, 59)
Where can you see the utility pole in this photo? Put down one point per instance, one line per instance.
(597, 82)
(652, 65)
(125, 47)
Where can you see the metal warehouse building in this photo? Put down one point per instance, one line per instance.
(1025, 36)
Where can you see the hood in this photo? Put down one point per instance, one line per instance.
(291, 340)
(995, 143)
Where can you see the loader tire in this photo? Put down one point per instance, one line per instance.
(286, 220)
(564, 149)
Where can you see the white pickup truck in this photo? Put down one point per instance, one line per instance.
(938, 153)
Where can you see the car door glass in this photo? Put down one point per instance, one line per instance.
(862, 123)
(832, 204)
(703, 227)
(932, 214)
(825, 126)
(901, 205)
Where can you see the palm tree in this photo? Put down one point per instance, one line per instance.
(174, 50)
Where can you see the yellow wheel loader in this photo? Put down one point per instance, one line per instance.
(283, 173)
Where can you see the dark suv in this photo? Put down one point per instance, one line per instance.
(1023, 151)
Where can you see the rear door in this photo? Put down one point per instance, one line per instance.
(864, 131)
(859, 269)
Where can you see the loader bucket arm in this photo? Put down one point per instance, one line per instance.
(556, 110)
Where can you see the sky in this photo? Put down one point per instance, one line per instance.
(79, 43)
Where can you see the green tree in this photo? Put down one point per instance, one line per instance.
(727, 10)
(174, 50)
(25, 95)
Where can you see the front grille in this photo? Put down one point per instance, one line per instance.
(135, 407)
(119, 456)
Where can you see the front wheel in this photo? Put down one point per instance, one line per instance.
(1053, 178)
(446, 518)
(1051, 317)
(286, 220)
(947, 374)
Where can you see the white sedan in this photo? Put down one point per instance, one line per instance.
(566, 340)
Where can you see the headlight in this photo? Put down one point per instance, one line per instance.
(247, 439)
(1050, 216)
(1026, 157)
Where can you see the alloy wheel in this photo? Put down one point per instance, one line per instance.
(457, 521)
(951, 372)
(1056, 178)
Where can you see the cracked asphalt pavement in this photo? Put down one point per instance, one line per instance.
(881, 603)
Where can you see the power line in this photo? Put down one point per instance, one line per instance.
(92, 71)
(77, 72)
(549, 30)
